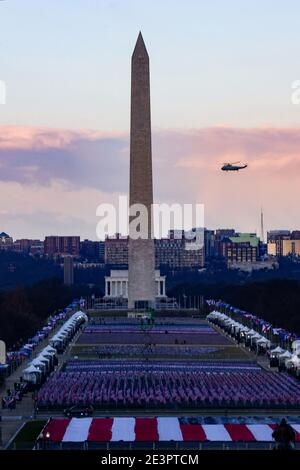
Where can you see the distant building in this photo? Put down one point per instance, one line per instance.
(177, 253)
(101, 251)
(209, 243)
(224, 232)
(290, 247)
(29, 246)
(273, 235)
(179, 250)
(116, 250)
(62, 245)
(240, 248)
(173, 252)
(4, 237)
(68, 271)
(92, 250)
(274, 241)
(116, 285)
(295, 235)
(272, 248)
(255, 266)
(191, 257)
(168, 252)
(6, 242)
(283, 243)
(37, 247)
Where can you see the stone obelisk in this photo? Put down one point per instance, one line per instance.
(141, 260)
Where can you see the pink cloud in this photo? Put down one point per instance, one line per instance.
(186, 169)
(37, 138)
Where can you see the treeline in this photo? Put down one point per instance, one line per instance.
(277, 301)
(24, 310)
(22, 269)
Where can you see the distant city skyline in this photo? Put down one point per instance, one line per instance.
(221, 83)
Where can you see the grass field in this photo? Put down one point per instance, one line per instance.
(232, 352)
(27, 436)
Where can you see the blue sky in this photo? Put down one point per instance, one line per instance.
(219, 62)
(221, 76)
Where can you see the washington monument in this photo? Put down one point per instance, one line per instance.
(141, 262)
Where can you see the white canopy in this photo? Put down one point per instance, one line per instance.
(263, 340)
(296, 345)
(31, 369)
(277, 350)
(70, 324)
(256, 336)
(252, 332)
(294, 361)
(37, 362)
(50, 349)
(42, 357)
(285, 355)
(245, 329)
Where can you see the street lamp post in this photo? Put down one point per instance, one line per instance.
(47, 439)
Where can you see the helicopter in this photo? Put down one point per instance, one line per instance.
(233, 166)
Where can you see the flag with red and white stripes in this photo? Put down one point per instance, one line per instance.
(155, 429)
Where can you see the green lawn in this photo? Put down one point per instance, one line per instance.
(225, 352)
(27, 436)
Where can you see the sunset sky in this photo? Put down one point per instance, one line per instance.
(221, 85)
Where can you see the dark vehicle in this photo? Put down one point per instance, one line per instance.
(77, 411)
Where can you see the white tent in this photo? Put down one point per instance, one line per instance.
(255, 338)
(277, 350)
(31, 368)
(66, 330)
(245, 329)
(257, 335)
(32, 374)
(42, 357)
(296, 345)
(263, 342)
(50, 349)
(285, 357)
(251, 333)
(294, 361)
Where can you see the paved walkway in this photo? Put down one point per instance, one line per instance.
(12, 420)
(262, 360)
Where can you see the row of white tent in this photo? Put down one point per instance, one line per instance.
(42, 364)
(61, 338)
(39, 366)
(238, 328)
(290, 360)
